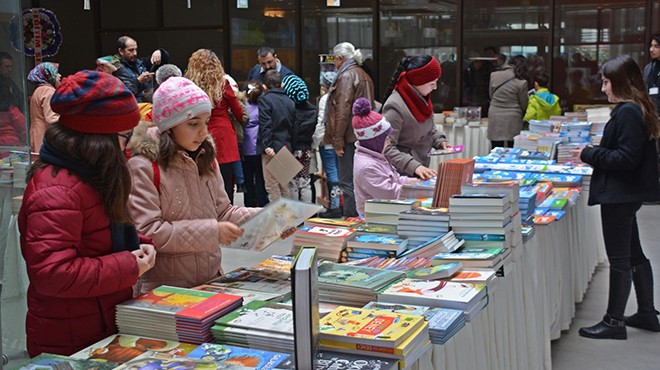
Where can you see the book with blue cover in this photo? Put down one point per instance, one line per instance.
(408, 309)
(226, 356)
(379, 241)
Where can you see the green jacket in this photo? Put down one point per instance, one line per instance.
(542, 105)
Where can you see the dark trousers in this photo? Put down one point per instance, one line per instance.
(255, 191)
(624, 250)
(501, 143)
(227, 172)
(346, 180)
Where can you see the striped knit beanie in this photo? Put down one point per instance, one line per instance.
(95, 103)
(295, 88)
(177, 100)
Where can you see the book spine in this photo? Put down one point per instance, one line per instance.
(371, 251)
(480, 237)
(360, 347)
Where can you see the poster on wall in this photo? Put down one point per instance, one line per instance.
(334, 2)
(41, 32)
(242, 4)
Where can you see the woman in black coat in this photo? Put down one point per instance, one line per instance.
(625, 175)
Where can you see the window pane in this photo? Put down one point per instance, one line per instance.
(128, 13)
(598, 32)
(324, 27)
(264, 23)
(411, 29)
(503, 28)
(201, 13)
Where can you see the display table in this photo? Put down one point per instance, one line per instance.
(527, 308)
(533, 302)
(473, 138)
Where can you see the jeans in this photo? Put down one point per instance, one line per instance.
(330, 164)
(238, 172)
(255, 191)
(346, 180)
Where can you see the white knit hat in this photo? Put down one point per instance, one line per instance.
(177, 100)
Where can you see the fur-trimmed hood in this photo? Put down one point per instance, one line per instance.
(146, 141)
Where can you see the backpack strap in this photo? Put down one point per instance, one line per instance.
(156, 169)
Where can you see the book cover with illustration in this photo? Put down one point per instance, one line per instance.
(407, 309)
(120, 348)
(460, 296)
(158, 361)
(435, 272)
(451, 150)
(356, 276)
(375, 228)
(375, 327)
(474, 276)
(330, 360)
(426, 213)
(232, 357)
(265, 227)
(56, 362)
(166, 300)
(242, 278)
(317, 221)
(379, 241)
(268, 316)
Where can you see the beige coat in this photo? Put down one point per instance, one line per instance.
(508, 104)
(41, 115)
(410, 141)
(181, 216)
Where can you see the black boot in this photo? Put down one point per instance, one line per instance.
(608, 328)
(612, 326)
(334, 210)
(646, 317)
(331, 213)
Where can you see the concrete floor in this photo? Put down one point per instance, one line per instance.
(640, 352)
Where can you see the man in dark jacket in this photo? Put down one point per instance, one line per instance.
(137, 73)
(267, 60)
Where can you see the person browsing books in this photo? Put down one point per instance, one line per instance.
(409, 109)
(178, 195)
(374, 175)
(82, 251)
(625, 175)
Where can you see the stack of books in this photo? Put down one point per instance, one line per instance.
(526, 202)
(330, 240)
(386, 334)
(444, 324)
(452, 174)
(575, 134)
(422, 223)
(276, 287)
(481, 213)
(348, 223)
(418, 189)
(374, 245)
(331, 360)
(49, 361)
(446, 242)
(598, 118)
(474, 257)
(173, 313)
(353, 285)
(473, 276)
(469, 298)
(386, 211)
(561, 180)
(261, 325)
(396, 264)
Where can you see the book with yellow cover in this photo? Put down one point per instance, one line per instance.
(370, 327)
(420, 334)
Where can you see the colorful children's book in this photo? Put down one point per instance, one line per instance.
(329, 360)
(370, 327)
(434, 293)
(248, 295)
(342, 275)
(375, 228)
(47, 361)
(265, 227)
(426, 213)
(379, 241)
(120, 348)
(168, 300)
(407, 309)
(317, 221)
(157, 361)
(435, 272)
(230, 357)
(474, 276)
(267, 316)
(445, 151)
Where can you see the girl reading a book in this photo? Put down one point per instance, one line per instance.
(409, 110)
(178, 196)
(373, 174)
(625, 175)
(82, 251)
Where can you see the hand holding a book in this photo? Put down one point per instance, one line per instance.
(146, 258)
(424, 173)
(270, 152)
(228, 232)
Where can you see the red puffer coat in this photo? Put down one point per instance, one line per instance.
(75, 278)
(221, 128)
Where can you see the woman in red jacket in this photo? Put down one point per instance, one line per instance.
(205, 70)
(83, 253)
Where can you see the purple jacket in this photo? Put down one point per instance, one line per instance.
(374, 177)
(251, 130)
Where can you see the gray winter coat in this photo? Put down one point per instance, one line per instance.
(508, 104)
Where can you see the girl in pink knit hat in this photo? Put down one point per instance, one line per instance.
(374, 177)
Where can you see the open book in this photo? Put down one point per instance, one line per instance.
(265, 227)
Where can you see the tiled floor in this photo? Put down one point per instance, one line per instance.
(640, 352)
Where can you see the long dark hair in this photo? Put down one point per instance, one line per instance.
(628, 85)
(406, 64)
(204, 156)
(99, 151)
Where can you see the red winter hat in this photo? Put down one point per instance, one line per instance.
(95, 103)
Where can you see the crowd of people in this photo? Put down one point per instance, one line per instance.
(137, 164)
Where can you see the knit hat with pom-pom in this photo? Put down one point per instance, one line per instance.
(371, 129)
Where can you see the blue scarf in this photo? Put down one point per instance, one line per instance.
(124, 236)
